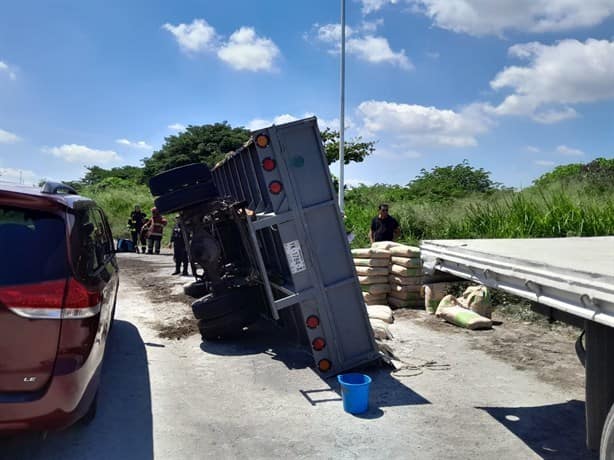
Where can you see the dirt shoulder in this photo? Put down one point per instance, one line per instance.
(548, 350)
(152, 273)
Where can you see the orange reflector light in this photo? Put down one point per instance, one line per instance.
(313, 322)
(262, 140)
(275, 187)
(324, 365)
(318, 344)
(268, 164)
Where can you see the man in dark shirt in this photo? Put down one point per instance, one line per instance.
(384, 227)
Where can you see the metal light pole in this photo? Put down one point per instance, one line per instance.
(342, 114)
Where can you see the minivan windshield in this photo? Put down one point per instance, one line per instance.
(32, 246)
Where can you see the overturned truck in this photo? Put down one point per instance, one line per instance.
(265, 238)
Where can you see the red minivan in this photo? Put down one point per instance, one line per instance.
(58, 287)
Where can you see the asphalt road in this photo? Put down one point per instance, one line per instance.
(258, 398)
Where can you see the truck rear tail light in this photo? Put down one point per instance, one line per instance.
(268, 164)
(262, 140)
(318, 344)
(313, 322)
(325, 365)
(275, 187)
(57, 299)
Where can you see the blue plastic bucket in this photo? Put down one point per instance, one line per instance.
(355, 392)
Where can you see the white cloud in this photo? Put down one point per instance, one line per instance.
(377, 50)
(176, 127)
(245, 50)
(362, 43)
(24, 176)
(397, 152)
(6, 69)
(533, 149)
(8, 138)
(135, 145)
(370, 6)
(568, 72)
(195, 37)
(350, 183)
(420, 125)
(544, 163)
(73, 153)
(484, 17)
(564, 150)
(259, 123)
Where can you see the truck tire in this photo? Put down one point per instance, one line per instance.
(186, 197)
(606, 451)
(195, 289)
(227, 326)
(214, 306)
(180, 177)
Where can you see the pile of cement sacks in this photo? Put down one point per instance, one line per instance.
(372, 267)
(472, 310)
(379, 317)
(405, 276)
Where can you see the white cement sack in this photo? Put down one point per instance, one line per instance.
(377, 289)
(464, 318)
(477, 299)
(374, 298)
(372, 271)
(371, 262)
(406, 295)
(405, 280)
(380, 329)
(409, 262)
(405, 251)
(366, 280)
(400, 270)
(384, 244)
(433, 293)
(382, 312)
(400, 303)
(369, 253)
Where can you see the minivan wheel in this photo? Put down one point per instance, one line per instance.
(606, 451)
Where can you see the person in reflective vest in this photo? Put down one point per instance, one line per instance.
(135, 224)
(155, 229)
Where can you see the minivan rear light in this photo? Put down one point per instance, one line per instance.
(45, 300)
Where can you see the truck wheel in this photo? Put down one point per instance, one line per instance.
(227, 326)
(179, 177)
(606, 451)
(196, 289)
(186, 197)
(214, 306)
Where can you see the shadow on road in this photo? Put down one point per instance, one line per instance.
(123, 423)
(265, 337)
(552, 432)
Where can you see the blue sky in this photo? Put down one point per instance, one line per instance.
(514, 86)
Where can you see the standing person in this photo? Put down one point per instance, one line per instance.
(179, 251)
(135, 224)
(384, 227)
(155, 228)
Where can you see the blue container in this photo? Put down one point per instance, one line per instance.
(355, 392)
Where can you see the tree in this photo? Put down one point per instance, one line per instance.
(96, 174)
(355, 150)
(197, 144)
(447, 182)
(599, 173)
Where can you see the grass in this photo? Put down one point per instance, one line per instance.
(553, 211)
